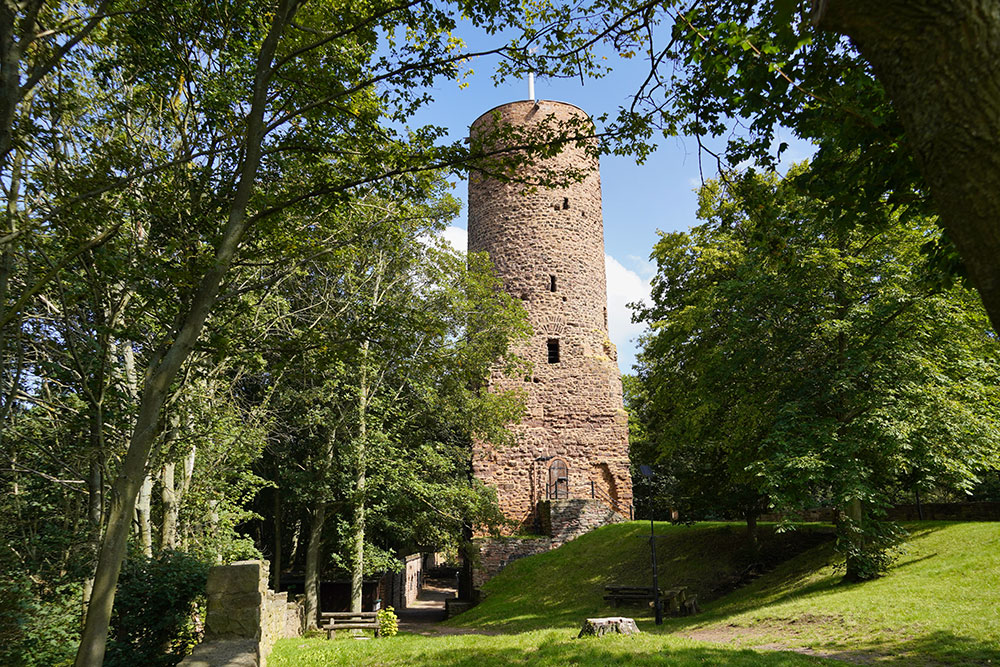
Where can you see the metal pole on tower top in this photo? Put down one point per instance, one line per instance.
(531, 86)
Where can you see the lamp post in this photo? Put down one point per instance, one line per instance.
(647, 472)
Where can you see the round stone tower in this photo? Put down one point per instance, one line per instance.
(547, 246)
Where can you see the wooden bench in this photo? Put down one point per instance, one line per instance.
(331, 621)
(675, 601)
(629, 594)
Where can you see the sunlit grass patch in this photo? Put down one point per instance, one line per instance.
(940, 605)
(540, 647)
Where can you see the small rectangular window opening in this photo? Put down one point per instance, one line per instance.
(552, 283)
(565, 203)
(553, 350)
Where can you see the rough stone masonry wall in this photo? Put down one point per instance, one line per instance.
(244, 618)
(561, 520)
(496, 553)
(404, 586)
(574, 408)
(566, 520)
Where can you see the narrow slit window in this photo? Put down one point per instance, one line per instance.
(552, 283)
(553, 350)
(565, 203)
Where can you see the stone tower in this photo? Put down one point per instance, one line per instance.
(548, 248)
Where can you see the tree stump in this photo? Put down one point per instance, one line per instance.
(598, 627)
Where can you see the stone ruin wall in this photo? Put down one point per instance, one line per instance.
(497, 553)
(244, 617)
(574, 408)
(560, 520)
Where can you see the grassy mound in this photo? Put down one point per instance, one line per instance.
(940, 605)
(561, 587)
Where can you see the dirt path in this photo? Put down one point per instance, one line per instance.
(744, 637)
(423, 616)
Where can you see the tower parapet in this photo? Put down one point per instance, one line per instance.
(547, 246)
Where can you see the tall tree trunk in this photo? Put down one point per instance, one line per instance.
(752, 531)
(276, 561)
(314, 549)
(10, 77)
(313, 553)
(293, 553)
(95, 504)
(855, 512)
(144, 527)
(168, 498)
(465, 576)
(187, 474)
(358, 497)
(938, 62)
(95, 498)
(142, 511)
(168, 490)
(164, 367)
(6, 273)
(213, 523)
(172, 496)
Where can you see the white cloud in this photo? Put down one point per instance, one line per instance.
(642, 265)
(624, 286)
(457, 237)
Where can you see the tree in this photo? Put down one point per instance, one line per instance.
(393, 333)
(288, 98)
(890, 108)
(952, 127)
(803, 361)
(196, 126)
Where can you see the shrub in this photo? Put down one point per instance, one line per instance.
(389, 621)
(38, 627)
(157, 607)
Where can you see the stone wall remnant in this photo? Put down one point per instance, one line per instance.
(244, 618)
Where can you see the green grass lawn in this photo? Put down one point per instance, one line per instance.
(540, 647)
(939, 605)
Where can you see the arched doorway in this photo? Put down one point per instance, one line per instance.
(558, 485)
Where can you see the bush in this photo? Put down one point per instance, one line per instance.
(157, 610)
(38, 628)
(389, 621)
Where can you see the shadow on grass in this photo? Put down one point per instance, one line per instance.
(809, 574)
(935, 649)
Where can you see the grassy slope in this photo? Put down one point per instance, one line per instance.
(941, 600)
(561, 587)
(941, 604)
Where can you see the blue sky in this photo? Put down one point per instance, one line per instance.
(638, 200)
